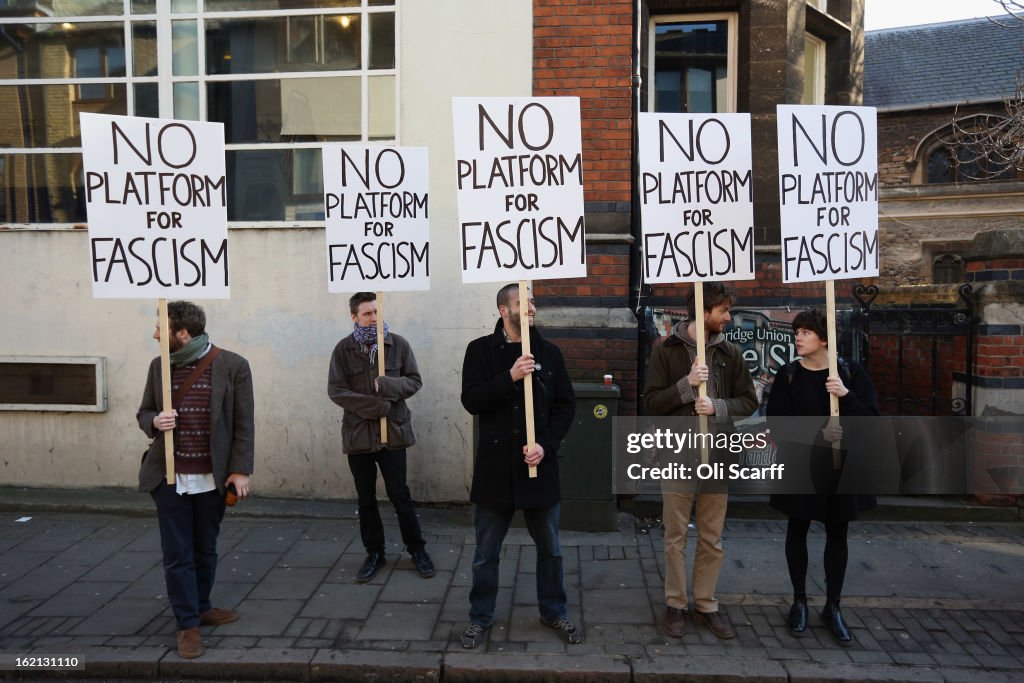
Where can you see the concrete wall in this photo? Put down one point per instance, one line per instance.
(280, 316)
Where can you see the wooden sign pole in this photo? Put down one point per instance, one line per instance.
(833, 366)
(702, 390)
(381, 360)
(165, 383)
(524, 334)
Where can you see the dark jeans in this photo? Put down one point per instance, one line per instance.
(189, 526)
(392, 470)
(491, 528)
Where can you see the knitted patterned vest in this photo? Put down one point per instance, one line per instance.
(192, 438)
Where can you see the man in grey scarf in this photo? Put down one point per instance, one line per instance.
(214, 427)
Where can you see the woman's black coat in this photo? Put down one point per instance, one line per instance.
(798, 392)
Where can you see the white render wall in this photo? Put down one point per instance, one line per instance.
(280, 315)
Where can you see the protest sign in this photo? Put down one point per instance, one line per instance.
(519, 163)
(828, 192)
(376, 211)
(696, 197)
(156, 198)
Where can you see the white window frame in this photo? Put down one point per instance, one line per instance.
(820, 5)
(732, 59)
(165, 80)
(820, 49)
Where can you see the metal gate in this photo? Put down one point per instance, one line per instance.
(920, 357)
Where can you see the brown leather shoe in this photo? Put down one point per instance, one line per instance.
(215, 616)
(675, 622)
(717, 623)
(190, 643)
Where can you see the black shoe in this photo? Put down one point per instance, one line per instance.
(371, 565)
(833, 618)
(797, 620)
(473, 636)
(565, 629)
(421, 560)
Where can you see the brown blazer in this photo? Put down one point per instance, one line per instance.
(232, 421)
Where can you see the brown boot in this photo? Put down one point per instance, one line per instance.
(717, 623)
(675, 622)
(190, 643)
(215, 616)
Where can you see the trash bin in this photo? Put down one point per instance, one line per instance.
(585, 460)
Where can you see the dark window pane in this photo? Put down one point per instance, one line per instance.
(147, 100)
(947, 269)
(287, 110)
(382, 40)
(691, 66)
(47, 115)
(144, 48)
(43, 188)
(41, 50)
(940, 166)
(249, 5)
(274, 185)
(48, 383)
(969, 165)
(61, 8)
(317, 43)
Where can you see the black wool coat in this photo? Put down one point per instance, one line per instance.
(500, 477)
(803, 396)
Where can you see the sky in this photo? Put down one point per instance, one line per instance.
(890, 13)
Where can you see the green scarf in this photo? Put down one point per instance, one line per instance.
(189, 353)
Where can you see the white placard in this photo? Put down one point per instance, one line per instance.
(696, 197)
(375, 204)
(828, 192)
(520, 187)
(156, 197)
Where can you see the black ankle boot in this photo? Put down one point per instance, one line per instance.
(797, 620)
(833, 618)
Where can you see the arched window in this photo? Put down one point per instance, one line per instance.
(947, 269)
(961, 152)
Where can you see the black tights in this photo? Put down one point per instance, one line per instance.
(835, 557)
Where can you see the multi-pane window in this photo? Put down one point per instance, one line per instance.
(282, 76)
(693, 60)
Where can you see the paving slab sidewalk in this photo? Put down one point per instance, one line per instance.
(927, 601)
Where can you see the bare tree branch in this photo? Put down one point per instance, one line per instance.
(987, 146)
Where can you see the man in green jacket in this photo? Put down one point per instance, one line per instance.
(673, 378)
(355, 385)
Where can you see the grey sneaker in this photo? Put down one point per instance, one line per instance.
(473, 636)
(565, 629)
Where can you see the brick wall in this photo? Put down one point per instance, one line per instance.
(584, 49)
(994, 270)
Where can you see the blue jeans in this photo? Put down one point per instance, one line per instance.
(491, 528)
(189, 526)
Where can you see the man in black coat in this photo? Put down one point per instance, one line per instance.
(493, 373)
